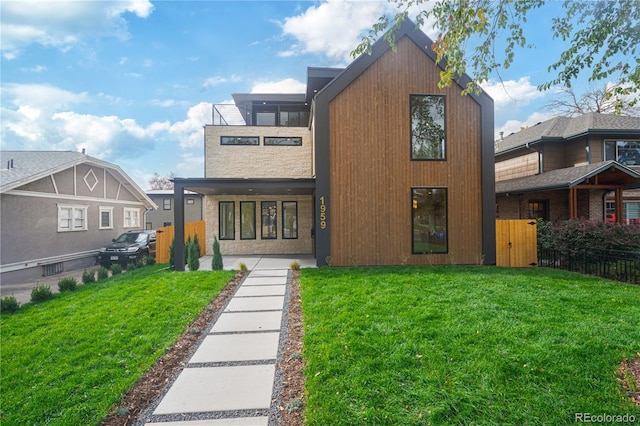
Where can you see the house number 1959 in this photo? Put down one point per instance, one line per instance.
(323, 213)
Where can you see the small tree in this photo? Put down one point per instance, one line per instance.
(216, 261)
(196, 244)
(193, 254)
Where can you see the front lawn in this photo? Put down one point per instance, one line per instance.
(67, 361)
(465, 345)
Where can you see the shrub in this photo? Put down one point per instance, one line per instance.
(41, 293)
(131, 266)
(196, 244)
(8, 305)
(140, 264)
(187, 250)
(295, 265)
(103, 273)
(193, 255)
(216, 261)
(68, 284)
(243, 267)
(116, 269)
(88, 276)
(151, 261)
(574, 235)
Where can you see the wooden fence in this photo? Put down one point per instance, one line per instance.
(165, 235)
(516, 243)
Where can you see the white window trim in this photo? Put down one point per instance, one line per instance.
(136, 223)
(73, 209)
(110, 211)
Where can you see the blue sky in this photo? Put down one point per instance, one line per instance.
(133, 82)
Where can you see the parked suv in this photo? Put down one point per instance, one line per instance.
(129, 247)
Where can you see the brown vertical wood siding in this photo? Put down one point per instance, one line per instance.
(372, 175)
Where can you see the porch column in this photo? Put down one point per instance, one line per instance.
(618, 202)
(178, 220)
(573, 203)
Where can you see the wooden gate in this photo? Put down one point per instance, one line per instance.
(165, 235)
(516, 243)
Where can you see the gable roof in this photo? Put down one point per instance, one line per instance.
(22, 167)
(566, 178)
(565, 128)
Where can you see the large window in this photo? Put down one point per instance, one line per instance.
(247, 220)
(429, 213)
(72, 218)
(131, 217)
(624, 152)
(630, 212)
(269, 220)
(227, 227)
(289, 219)
(428, 133)
(106, 218)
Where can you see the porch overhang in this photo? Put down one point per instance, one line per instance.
(248, 186)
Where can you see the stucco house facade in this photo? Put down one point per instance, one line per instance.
(564, 168)
(373, 165)
(164, 215)
(57, 208)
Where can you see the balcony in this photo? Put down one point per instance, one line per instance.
(279, 110)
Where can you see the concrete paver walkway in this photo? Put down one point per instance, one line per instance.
(230, 378)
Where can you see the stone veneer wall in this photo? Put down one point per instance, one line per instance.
(257, 161)
(301, 245)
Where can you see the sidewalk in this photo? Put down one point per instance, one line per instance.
(231, 378)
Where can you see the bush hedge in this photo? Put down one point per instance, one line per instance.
(575, 235)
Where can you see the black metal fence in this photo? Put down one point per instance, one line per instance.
(613, 264)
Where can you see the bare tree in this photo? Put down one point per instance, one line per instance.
(161, 182)
(602, 100)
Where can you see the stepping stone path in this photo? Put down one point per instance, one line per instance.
(230, 378)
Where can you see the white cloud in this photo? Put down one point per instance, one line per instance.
(511, 94)
(333, 28)
(288, 85)
(62, 24)
(189, 131)
(214, 81)
(164, 103)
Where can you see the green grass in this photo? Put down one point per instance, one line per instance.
(464, 345)
(69, 360)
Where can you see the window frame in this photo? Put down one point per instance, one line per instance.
(443, 147)
(233, 220)
(414, 208)
(255, 140)
(242, 230)
(134, 223)
(615, 143)
(284, 219)
(545, 208)
(166, 201)
(274, 220)
(105, 209)
(295, 139)
(72, 209)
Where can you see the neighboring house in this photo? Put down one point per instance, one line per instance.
(163, 216)
(563, 168)
(373, 165)
(57, 208)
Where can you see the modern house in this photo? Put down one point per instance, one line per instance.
(373, 165)
(563, 168)
(163, 216)
(57, 208)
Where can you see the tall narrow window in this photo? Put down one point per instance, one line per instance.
(247, 220)
(106, 218)
(227, 227)
(429, 212)
(428, 132)
(269, 220)
(289, 219)
(166, 204)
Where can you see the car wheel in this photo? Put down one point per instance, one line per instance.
(144, 258)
